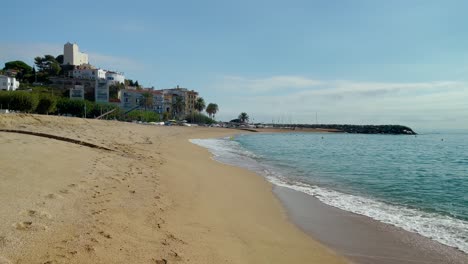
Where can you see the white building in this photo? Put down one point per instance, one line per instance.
(87, 72)
(115, 77)
(73, 56)
(8, 83)
(101, 91)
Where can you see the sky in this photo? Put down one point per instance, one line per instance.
(331, 61)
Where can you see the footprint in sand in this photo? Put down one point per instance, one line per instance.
(23, 225)
(3, 242)
(28, 225)
(89, 248)
(104, 234)
(64, 191)
(40, 214)
(53, 196)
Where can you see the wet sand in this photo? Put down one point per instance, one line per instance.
(360, 238)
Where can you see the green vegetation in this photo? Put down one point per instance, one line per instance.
(19, 101)
(47, 104)
(243, 117)
(67, 106)
(24, 72)
(80, 108)
(144, 116)
(200, 104)
(166, 116)
(102, 108)
(178, 106)
(147, 100)
(19, 66)
(47, 66)
(199, 118)
(212, 109)
(114, 90)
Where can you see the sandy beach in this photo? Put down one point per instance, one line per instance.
(152, 197)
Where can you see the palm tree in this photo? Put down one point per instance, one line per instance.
(178, 106)
(243, 117)
(212, 109)
(147, 100)
(200, 104)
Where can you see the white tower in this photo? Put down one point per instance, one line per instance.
(73, 56)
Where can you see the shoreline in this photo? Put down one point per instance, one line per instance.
(362, 239)
(367, 240)
(155, 198)
(174, 201)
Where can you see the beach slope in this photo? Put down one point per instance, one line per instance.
(147, 196)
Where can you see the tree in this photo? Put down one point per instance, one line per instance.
(47, 65)
(23, 71)
(59, 59)
(178, 106)
(34, 75)
(47, 104)
(200, 118)
(19, 100)
(147, 100)
(243, 117)
(212, 109)
(166, 116)
(200, 104)
(18, 65)
(114, 90)
(137, 84)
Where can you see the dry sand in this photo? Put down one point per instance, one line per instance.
(155, 198)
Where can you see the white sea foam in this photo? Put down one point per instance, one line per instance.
(444, 229)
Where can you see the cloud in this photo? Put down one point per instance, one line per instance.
(261, 85)
(418, 104)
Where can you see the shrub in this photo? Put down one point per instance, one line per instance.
(145, 116)
(47, 104)
(199, 118)
(19, 100)
(101, 108)
(74, 107)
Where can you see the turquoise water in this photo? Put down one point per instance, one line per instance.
(419, 183)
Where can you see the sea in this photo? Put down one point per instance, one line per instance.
(418, 183)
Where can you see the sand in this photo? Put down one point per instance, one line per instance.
(152, 198)
(362, 239)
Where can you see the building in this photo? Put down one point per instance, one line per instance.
(162, 101)
(101, 91)
(188, 98)
(73, 56)
(77, 93)
(87, 71)
(8, 83)
(135, 99)
(115, 77)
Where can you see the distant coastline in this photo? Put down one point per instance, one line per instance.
(334, 128)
